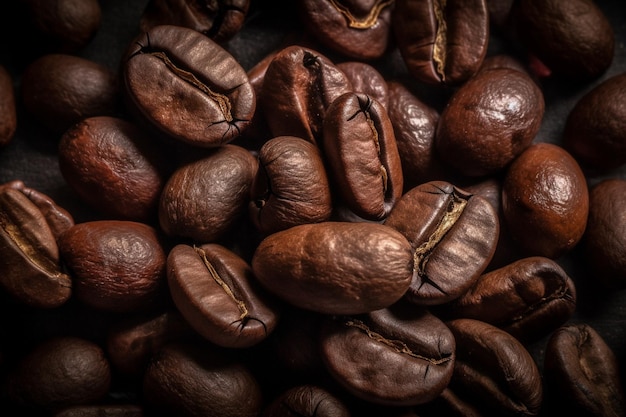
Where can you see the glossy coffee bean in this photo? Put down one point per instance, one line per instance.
(582, 372)
(306, 401)
(57, 373)
(442, 42)
(594, 128)
(489, 121)
(116, 265)
(398, 356)
(529, 298)
(362, 156)
(359, 29)
(545, 200)
(335, 267)
(366, 79)
(203, 199)
(605, 235)
(114, 167)
(8, 110)
(191, 379)
(178, 67)
(291, 186)
(493, 371)
(453, 235)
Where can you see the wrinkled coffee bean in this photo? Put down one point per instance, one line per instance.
(442, 42)
(399, 355)
(335, 267)
(176, 67)
(306, 401)
(453, 236)
(581, 370)
(8, 110)
(367, 80)
(362, 156)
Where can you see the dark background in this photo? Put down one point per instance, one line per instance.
(32, 154)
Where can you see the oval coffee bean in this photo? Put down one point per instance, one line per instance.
(174, 67)
(453, 235)
(306, 401)
(436, 40)
(545, 200)
(116, 265)
(528, 298)
(335, 267)
(494, 370)
(489, 121)
(8, 110)
(366, 79)
(582, 372)
(360, 149)
(399, 356)
(218, 294)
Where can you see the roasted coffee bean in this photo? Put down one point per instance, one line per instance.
(493, 371)
(291, 186)
(174, 67)
(448, 404)
(572, 38)
(453, 236)
(116, 265)
(414, 124)
(299, 85)
(529, 298)
(442, 42)
(105, 410)
(359, 29)
(57, 373)
(604, 239)
(336, 267)
(219, 20)
(203, 199)
(582, 372)
(59, 90)
(595, 129)
(400, 355)
(366, 79)
(545, 200)
(489, 121)
(8, 110)
(31, 270)
(114, 167)
(218, 294)
(191, 379)
(306, 401)
(361, 153)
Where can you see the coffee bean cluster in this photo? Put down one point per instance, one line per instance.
(314, 208)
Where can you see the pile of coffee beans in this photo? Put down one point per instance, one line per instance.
(255, 208)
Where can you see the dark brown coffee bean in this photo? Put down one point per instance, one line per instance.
(396, 356)
(116, 266)
(366, 79)
(219, 20)
(582, 372)
(572, 38)
(291, 186)
(529, 298)
(362, 155)
(453, 235)
(605, 235)
(105, 410)
(545, 200)
(191, 379)
(31, 268)
(204, 199)
(489, 121)
(8, 110)
(595, 129)
(114, 167)
(448, 404)
(299, 85)
(218, 294)
(60, 90)
(173, 67)
(437, 42)
(306, 401)
(58, 373)
(493, 371)
(358, 29)
(336, 267)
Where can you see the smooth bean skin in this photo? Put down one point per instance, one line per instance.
(335, 267)
(366, 79)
